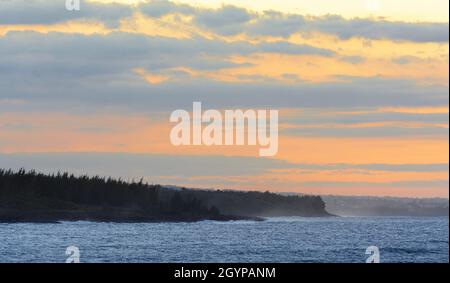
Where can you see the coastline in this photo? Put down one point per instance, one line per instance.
(41, 217)
(36, 197)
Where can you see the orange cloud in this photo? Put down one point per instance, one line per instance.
(416, 110)
(327, 69)
(86, 27)
(364, 150)
(149, 77)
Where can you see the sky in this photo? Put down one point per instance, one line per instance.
(361, 87)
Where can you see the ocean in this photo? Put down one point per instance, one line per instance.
(286, 239)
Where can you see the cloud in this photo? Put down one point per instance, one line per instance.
(403, 60)
(380, 29)
(148, 165)
(350, 116)
(227, 20)
(151, 78)
(58, 58)
(277, 24)
(159, 8)
(44, 12)
(108, 53)
(231, 20)
(283, 47)
(140, 165)
(284, 25)
(369, 131)
(353, 59)
(77, 71)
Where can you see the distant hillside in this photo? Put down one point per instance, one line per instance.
(386, 206)
(263, 204)
(31, 196)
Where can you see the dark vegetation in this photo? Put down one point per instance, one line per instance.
(36, 197)
(264, 204)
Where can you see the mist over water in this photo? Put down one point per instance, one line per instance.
(288, 239)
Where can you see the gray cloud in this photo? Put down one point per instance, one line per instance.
(61, 53)
(22, 12)
(381, 131)
(154, 165)
(295, 49)
(159, 8)
(353, 59)
(230, 20)
(403, 60)
(348, 116)
(139, 165)
(277, 24)
(225, 16)
(381, 29)
(73, 72)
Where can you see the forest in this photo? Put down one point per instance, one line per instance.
(29, 196)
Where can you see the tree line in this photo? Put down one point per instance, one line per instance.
(25, 194)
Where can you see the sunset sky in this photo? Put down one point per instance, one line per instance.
(362, 87)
